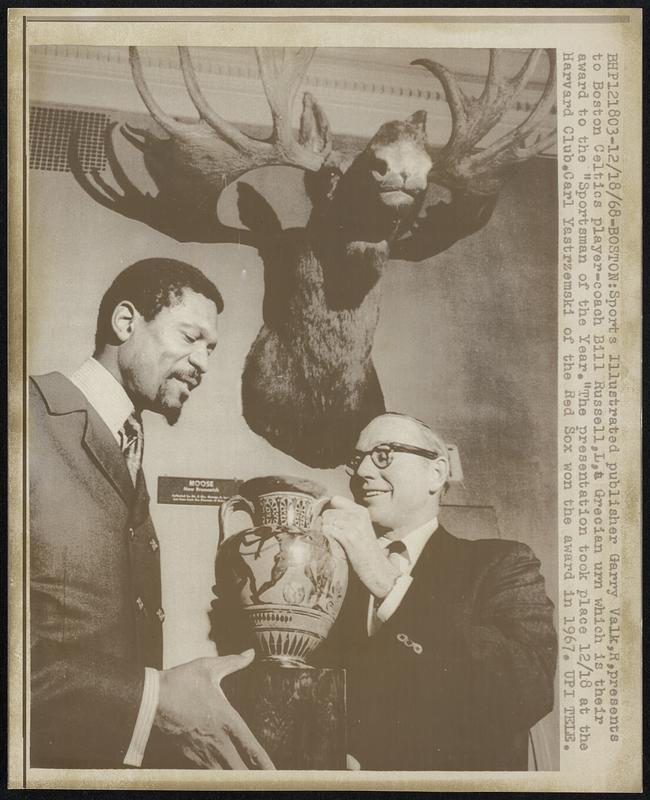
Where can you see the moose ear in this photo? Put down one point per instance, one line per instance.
(419, 120)
(314, 127)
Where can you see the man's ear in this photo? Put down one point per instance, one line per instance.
(439, 474)
(123, 320)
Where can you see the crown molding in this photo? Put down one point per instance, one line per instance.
(358, 94)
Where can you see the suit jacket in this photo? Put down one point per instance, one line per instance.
(95, 616)
(455, 678)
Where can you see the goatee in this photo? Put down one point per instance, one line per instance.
(172, 414)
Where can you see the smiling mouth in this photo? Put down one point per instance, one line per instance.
(396, 189)
(396, 196)
(368, 493)
(187, 382)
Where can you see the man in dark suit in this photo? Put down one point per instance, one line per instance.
(449, 644)
(99, 696)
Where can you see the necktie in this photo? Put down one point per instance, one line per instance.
(398, 555)
(144, 550)
(132, 444)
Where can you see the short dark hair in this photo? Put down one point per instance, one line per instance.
(151, 284)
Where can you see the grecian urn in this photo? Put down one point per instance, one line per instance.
(285, 578)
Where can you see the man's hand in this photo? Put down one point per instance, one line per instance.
(350, 525)
(193, 709)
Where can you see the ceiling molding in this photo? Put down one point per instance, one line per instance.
(358, 94)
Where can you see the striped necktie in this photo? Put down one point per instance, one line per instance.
(132, 444)
(144, 550)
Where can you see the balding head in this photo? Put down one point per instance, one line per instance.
(428, 438)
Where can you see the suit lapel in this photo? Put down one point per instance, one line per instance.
(430, 577)
(63, 397)
(99, 441)
(435, 567)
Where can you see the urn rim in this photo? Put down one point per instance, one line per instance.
(254, 488)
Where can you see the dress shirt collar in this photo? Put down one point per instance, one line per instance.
(414, 541)
(104, 394)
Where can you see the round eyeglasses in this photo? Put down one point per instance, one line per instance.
(382, 455)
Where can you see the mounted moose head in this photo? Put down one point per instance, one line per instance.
(309, 384)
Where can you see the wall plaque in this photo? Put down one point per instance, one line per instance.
(195, 491)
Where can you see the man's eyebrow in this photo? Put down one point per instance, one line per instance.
(195, 327)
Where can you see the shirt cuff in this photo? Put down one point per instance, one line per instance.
(390, 603)
(144, 722)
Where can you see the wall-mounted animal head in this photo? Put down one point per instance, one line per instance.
(309, 384)
(387, 181)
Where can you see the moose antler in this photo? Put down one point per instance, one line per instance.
(459, 165)
(222, 158)
(475, 176)
(198, 160)
(184, 210)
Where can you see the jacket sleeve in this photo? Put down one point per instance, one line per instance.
(499, 651)
(83, 706)
(84, 699)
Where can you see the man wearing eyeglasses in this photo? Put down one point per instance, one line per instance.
(448, 644)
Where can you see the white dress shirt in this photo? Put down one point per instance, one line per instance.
(107, 396)
(414, 543)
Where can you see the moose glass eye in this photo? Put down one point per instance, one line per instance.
(378, 165)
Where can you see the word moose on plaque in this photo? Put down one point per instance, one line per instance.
(173, 490)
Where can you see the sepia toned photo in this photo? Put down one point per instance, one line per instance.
(324, 427)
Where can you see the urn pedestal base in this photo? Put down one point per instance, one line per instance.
(297, 713)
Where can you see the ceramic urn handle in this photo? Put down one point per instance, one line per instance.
(234, 503)
(318, 507)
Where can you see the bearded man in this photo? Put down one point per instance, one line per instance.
(99, 695)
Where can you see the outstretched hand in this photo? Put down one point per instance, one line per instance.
(194, 711)
(351, 526)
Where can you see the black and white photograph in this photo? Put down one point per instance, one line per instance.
(292, 428)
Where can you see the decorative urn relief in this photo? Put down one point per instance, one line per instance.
(287, 577)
